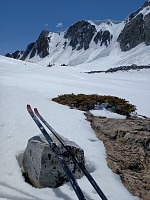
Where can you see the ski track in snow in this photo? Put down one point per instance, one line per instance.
(22, 83)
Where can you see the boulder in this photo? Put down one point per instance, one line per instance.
(41, 165)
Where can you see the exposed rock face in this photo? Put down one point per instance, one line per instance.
(132, 34)
(136, 30)
(42, 44)
(147, 29)
(80, 35)
(40, 47)
(127, 143)
(42, 166)
(28, 50)
(122, 68)
(16, 55)
(104, 37)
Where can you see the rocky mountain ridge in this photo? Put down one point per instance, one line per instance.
(137, 29)
(84, 36)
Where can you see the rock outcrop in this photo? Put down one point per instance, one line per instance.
(42, 167)
(147, 29)
(127, 143)
(28, 50)
(104, 37)
(122, 68)
(40, 47)
(136, 30)
(80, 35)
(16, 55)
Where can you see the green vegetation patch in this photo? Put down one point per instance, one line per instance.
(96, 102)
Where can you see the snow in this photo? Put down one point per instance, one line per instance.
(23, 83)
(61, 54)
(96, 57)
(106, 113)
(109, 25)
(145, 11)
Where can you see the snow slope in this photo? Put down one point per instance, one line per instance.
(59, 53)
(23, 83)
(96, 55)
(96, 59)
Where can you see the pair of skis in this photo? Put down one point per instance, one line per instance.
(36, 116)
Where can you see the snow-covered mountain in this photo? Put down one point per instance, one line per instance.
(88, 41)
(90, 45)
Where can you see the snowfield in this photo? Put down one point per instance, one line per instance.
(23, 83)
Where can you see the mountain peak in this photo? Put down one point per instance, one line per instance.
(137, 28)
(91, 39)
(80, 35)
(107, 21)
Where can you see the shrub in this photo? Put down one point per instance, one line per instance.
(89, 102)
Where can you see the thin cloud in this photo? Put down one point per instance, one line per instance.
(59, 24)
(46, 25)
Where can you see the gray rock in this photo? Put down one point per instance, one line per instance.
(42, 167)
(42, 44)
(16, 55)
(136, 30)
(132, 34)
(40, 47)
(27, 51)
(104, 37)
(127, 136)
(80, 35)
(147, 29)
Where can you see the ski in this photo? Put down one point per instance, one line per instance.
(80, 164)
(57, 152)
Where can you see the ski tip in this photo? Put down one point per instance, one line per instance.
(28, 106)
(36, 111)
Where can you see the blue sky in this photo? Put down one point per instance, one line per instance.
(21, 21)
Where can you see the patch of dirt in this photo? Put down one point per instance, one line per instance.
(127, 143)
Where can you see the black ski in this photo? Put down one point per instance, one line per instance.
(57, 152)
(80, 164)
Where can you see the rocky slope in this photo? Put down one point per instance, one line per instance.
(90, 37)
(127, 143)
(16, 55)
(121, 68)
(137, 29)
